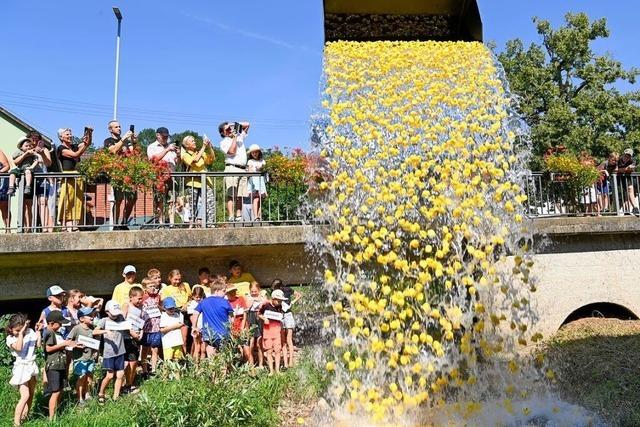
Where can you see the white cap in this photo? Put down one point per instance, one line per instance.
(55, 290)
(278, 294)
(113, 308)
(254, 147)
(128, 269)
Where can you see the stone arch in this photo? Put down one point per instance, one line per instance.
(601, 309)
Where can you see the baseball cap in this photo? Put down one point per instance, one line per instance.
(113, 308)
(628, 151)
(55, 290)
(162, 131)
(86, 311)
(128, 269)
(168, 303)
(56, 316)
(278, 294)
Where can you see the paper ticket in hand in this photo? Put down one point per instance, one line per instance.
(89, 342)
(153, 312)
(239, 311)
(110, 325)
(136, 322)
(273, 315)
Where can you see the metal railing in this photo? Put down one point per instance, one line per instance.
(554, 195)
(66, 202)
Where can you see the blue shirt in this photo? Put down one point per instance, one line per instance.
(215, 313)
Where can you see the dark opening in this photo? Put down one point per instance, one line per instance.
(601, 309)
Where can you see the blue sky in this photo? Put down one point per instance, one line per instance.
(193, 63)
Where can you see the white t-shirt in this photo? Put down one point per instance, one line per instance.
(240, 158)
(28, 352)
(254, 165)
(171, 338)
(170, 157)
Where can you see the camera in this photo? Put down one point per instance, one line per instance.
(237, 127)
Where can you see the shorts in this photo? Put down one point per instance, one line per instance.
(216, 343)
(55, 378)
(83, 367)
(255, 325)
(173, 353)
(152, 339)
(287, 321)
(113, 363)
(272, 343)
(235, 186)
(132, 350)
(23, 372)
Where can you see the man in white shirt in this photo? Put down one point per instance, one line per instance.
(161, 150)
(235, 161)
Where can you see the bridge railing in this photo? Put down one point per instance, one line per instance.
(66, 202)
(554, 195)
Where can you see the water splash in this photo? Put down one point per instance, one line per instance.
(425, 250)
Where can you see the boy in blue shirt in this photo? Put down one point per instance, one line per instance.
(216, 313)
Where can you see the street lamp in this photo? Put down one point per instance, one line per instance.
(116, 11)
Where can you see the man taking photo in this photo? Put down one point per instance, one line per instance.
(235, 161)
(121, 145)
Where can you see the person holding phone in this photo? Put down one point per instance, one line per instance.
(123, 145)
(196, 161)
(71, 199)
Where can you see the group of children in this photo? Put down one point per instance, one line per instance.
(144, 323)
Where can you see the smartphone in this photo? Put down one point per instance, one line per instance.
(88, 130)
(132, 128)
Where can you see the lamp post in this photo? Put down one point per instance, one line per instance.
(116, 11)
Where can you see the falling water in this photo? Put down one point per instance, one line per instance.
(425, 249)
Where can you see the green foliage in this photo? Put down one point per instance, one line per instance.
(567, 93)
(287, 178)
(579, 174)
(146, 137)
(6, 359)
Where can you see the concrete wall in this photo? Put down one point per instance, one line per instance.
(93, 261)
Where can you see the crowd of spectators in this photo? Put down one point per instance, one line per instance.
(62, 202)
(147, 322)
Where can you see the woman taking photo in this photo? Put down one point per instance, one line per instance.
(196, 161)
(71, 202)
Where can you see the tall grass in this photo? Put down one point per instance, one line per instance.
(207, 394)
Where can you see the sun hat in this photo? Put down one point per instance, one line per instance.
(113, 308)
(278, 294)
(628, 151)
(22, 141)
(254, 147)
(168, 303)
(231, 288)
(55, 290)
(56, 316)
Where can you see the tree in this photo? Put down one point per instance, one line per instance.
(146, 136)
(567, 93)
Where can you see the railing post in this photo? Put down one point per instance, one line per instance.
(20, 215)
(203, 198)
(616, 198)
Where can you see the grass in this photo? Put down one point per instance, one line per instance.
(203, 396)
(596, 361)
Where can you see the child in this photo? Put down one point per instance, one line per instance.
(288, 322)
(180, 292)
(239, 277)
(155, 275)
(23, 341)
(26, 159)
(239, 323)
(255, 325)
(197, 295)
(57, 297)
(112, 327)
(204, 279)
(74, 302)
(55, 358)
(132, 311)
(271, 314)
(257, 188)
(84, 358)
(215, 312)
(151, 335)
(121, 290)
(171, 323)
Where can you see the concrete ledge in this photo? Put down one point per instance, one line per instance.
(586, 225)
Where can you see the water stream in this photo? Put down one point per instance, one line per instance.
(425, 250)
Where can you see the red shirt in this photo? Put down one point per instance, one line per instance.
(239, 306)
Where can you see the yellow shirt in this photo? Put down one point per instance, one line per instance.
(121, 292)
(244, 288)
(180, 295)
(199, 166)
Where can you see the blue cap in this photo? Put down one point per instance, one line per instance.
(168, 303)
(86, 311)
